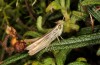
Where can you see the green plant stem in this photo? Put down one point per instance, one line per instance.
(68, 4)
(65, 14)
(39, 25)
(61, 56)
(62, 3)
(94, 13)
(76, 42)
(5, 17)
(14, 58)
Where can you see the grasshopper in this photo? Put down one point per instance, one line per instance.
(45, 41)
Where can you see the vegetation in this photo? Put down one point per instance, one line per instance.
(24, 21)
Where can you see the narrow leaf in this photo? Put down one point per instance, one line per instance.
(94, 13)
(14, 58)
(90, 2)
(32, 33)
(76, 42)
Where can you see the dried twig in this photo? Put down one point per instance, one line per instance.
(1, 62)
(9, 50)
(18, 20)
(4, 43)
(97, 8)
(2, 55)
(92, 22)
(29, 10)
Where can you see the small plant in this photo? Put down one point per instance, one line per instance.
(34, 25)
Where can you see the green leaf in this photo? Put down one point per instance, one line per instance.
(14, 58)
(48, 61)
(53, 5)
(40, 24)
(67, 4)
(94, 13)
(76, 42)
(81, 59)
(35, 62)
(90, 2)
(62, 3)
(78, 63)
(61, 56)
(98, 52)
(79, 15)
(32, 33)
(2, 3)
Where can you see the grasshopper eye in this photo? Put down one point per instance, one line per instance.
(59, 26)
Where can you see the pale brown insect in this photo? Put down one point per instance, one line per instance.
(45, 41)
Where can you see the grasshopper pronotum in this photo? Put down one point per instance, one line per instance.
(44, 41)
